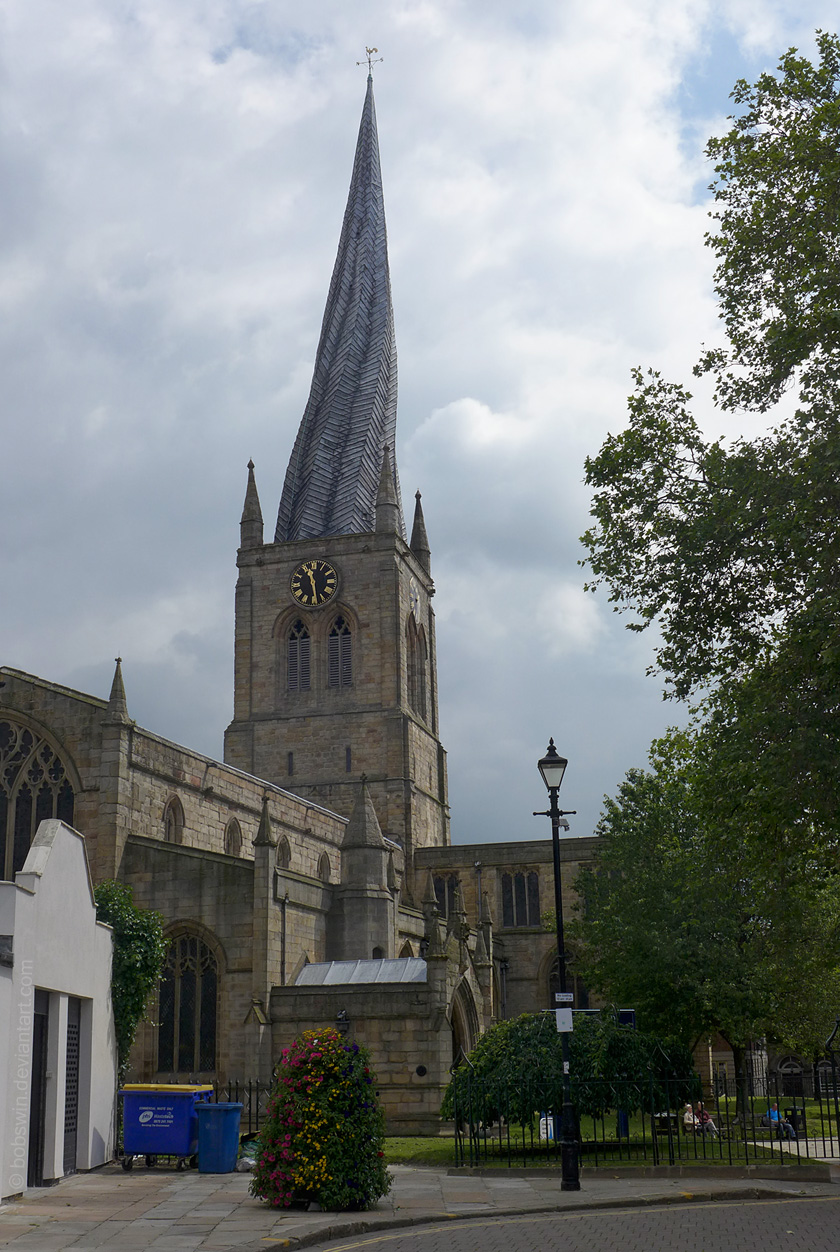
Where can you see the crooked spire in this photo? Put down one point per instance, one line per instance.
(333, 476)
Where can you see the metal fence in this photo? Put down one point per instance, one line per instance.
(648, 1122)
(252, 1094)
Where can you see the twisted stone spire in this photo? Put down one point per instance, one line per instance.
(333, 475)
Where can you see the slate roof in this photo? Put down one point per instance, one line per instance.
(333, 474)
(347, 973)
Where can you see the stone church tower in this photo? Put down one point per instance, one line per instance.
(335, 668)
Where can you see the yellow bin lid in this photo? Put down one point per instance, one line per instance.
(167, 1086)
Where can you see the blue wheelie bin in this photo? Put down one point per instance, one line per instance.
(218, 1137)
(160, 1120)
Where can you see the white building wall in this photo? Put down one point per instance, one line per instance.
(59, 947)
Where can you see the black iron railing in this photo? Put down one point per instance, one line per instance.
(252, 1095)
(654, 1121)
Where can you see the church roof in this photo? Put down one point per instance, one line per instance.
(347, 973)
(333, 475)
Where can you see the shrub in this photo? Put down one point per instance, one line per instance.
(517, 1067)
(324, 1134)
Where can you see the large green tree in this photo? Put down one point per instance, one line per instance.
(731, 548)
(698, 936)
(778, 212)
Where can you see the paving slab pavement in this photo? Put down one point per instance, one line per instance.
(168, 1211)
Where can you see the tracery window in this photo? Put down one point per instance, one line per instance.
(33, 787)
(574, 983)
(446, 893)
(188, 1008)
(521, 899)
(298, 656)
(340, 655)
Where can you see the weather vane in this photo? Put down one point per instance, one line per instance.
(371, 60)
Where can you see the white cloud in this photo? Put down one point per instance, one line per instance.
(174, 179)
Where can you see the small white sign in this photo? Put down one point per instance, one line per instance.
(563, 1017)
(564, 997)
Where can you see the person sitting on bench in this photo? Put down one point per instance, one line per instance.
(705, 1120)
(690, 1121)
(780, 1124)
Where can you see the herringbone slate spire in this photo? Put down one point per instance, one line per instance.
(333, 476)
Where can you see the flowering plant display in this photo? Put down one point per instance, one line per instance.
(324, 1132)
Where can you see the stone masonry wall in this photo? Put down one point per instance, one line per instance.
(319, 742)
(405, 1030)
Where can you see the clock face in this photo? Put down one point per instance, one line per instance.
(313, 583)
(414, 597)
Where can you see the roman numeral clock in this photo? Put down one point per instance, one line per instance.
(314, 583)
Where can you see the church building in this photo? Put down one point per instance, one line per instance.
(310, 877)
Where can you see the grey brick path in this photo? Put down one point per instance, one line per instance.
(189, 1212)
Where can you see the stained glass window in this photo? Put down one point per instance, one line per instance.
(187, 1008)
(33, 786)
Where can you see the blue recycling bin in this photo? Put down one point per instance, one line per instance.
(218, 1137)
(159, 1119)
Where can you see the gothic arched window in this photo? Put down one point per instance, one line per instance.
(298, 654)
(283, 855)
(340, 655)
(233, 838)
(446, 893)
(188, 1008)
(521, 899)
(324, 867)
(173, 821)
(33, 787)
(574, 983)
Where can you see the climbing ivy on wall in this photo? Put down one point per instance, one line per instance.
(139, 953)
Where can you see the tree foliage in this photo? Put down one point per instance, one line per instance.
(778, 212)
(323, 1137)
(732, 548)
(516, 1070)
(139, 954)
(704, 930)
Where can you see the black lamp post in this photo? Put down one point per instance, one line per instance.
(552, 767)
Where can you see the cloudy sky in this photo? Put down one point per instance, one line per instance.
(173, 183)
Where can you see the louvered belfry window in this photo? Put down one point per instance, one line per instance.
(187, 1008)
(299, 657)
(340, 655)
(33, 786)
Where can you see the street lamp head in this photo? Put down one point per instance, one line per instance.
(552, 767)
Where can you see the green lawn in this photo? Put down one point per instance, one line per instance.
(440, 1152)
(420, 1151)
